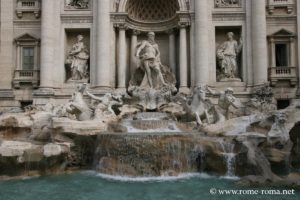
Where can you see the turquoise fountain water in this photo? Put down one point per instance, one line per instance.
(92, 186)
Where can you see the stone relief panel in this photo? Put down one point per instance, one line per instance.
(77, 4)
(227, 3)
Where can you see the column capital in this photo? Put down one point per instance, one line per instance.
(183, 24)
(136, 32)
(122, 26)
(170, 31)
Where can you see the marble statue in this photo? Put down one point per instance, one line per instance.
(200, 105)
(152, 82)
(226, 99)
(79, 4)
(78, 60)
(106, 103)
(262, 101)
(78, 106)
(149, 55)
(278, 129)
(227, 57)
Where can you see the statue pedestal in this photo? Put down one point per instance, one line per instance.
(230, 80)
(71, 81)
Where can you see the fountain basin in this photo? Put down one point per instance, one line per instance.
(166, 153)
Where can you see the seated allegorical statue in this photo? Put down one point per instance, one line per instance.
(78, 60)
(227, 57)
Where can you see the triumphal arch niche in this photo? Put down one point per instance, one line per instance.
(168, 20)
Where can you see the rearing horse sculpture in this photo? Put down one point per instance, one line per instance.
(78, 107)
(200, 106)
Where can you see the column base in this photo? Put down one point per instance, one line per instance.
(121, 90)
(184, 90)
(102, 88)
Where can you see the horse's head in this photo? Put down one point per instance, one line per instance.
(200, 92)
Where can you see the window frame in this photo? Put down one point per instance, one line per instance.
(288, 53)
(23, 57)
(27, 41)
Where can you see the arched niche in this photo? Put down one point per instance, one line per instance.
(183, 5)
(150, 15)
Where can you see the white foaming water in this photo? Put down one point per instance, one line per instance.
(229, 157)
(234, 178)
(183, 176)
(132, 129)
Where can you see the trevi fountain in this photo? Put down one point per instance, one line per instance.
(159, 134)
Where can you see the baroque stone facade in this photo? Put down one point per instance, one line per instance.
(48, 47)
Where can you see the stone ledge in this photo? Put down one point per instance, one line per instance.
(6, 94)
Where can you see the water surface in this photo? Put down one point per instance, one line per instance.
(92, 186)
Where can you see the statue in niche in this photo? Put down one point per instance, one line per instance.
(149, 55)
(152, 82)
(78, 60)
(79, 4)
(227, 55)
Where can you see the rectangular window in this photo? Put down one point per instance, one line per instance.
(28, 58)
(282, 55)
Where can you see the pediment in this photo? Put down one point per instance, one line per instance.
(26, 37)
(283, 33)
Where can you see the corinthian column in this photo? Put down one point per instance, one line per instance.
(47, 44)
(183, 58)
(202, 44)
(298, 40)
(259, 42)
(103, 75)
(122, 57)
(133, 60)
(172, 50)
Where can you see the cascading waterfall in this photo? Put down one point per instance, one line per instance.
(229, 157)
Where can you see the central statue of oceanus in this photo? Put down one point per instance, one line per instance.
(149, 55)
(152, 81)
